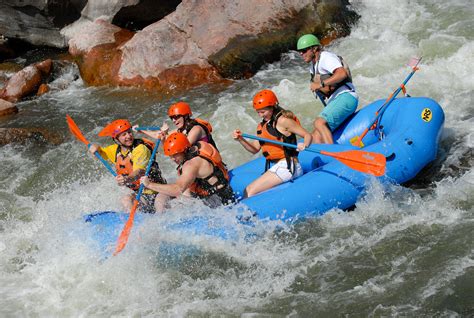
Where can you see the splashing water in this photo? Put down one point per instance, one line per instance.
(404, 250)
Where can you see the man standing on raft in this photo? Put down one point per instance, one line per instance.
(332, 83)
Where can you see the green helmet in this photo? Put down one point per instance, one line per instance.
(306, 41)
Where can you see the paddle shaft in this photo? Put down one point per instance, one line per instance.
(389, 100)
(123, 238)
(363, 161)
(106, 164)
(148, 168)
(277, 142)
(80, 136)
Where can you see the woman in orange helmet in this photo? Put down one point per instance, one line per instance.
(195, 129)
(201, 172)
(131, 157)
(277, 124)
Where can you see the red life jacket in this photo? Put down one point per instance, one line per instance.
(124, 164)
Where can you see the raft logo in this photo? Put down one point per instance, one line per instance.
(426, 115)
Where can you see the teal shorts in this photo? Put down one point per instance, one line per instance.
(339, 109)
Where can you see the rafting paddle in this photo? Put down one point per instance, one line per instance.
(78, 134)
(357, 140)
(363, 161)
(123, 238)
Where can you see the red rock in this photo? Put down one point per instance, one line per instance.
(200, 42)
(26, 81)
(45, 66)
(22, 83)
(43, 89)
(7, 108)
(21, 135)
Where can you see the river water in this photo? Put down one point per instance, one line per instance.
(403, 251)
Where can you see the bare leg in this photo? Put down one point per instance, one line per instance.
(266, 181)
(321, 126)
(160, 202)
(317, 138)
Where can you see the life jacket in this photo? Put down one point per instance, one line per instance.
(191, 122)
(201, 187)
(124, 164)
(272, 152)
(323, 77)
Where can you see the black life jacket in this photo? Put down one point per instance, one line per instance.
(191, 122)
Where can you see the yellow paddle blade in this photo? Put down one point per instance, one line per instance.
(357, 142)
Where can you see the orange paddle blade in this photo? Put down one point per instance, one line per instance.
(363, 161)
(75, 130)
(123, 238)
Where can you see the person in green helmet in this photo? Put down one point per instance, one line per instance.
(331, 82)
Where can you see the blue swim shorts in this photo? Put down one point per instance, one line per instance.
(339, 109)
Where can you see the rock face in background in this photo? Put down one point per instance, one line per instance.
(182, 44)
(38, 22)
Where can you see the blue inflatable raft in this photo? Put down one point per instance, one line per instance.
(407, 134)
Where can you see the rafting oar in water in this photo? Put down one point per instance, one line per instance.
(357, 140)
(78, 134)
(360, 160)
(123, 238)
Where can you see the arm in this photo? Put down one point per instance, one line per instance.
(195, 134)
(289, 125)
(250, 146)
(106, 153)
(160, 134)
(189, 174)
(338, 76)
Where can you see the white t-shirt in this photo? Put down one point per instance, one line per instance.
(328, 62)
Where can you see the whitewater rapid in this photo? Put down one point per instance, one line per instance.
(403, 251)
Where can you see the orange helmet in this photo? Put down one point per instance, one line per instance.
(115, 128)
(176, 143)
(180, 109)
(264, 98)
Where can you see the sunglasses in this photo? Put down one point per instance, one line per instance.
(175, 117)
(303, 51)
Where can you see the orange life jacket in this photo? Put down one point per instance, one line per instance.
(201, 187)
(124, 164)
(268, 130)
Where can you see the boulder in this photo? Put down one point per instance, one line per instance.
(39, 22)
(26, 81)
(202, 41)
(22, 135)
(43, 89)
(7, 108)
